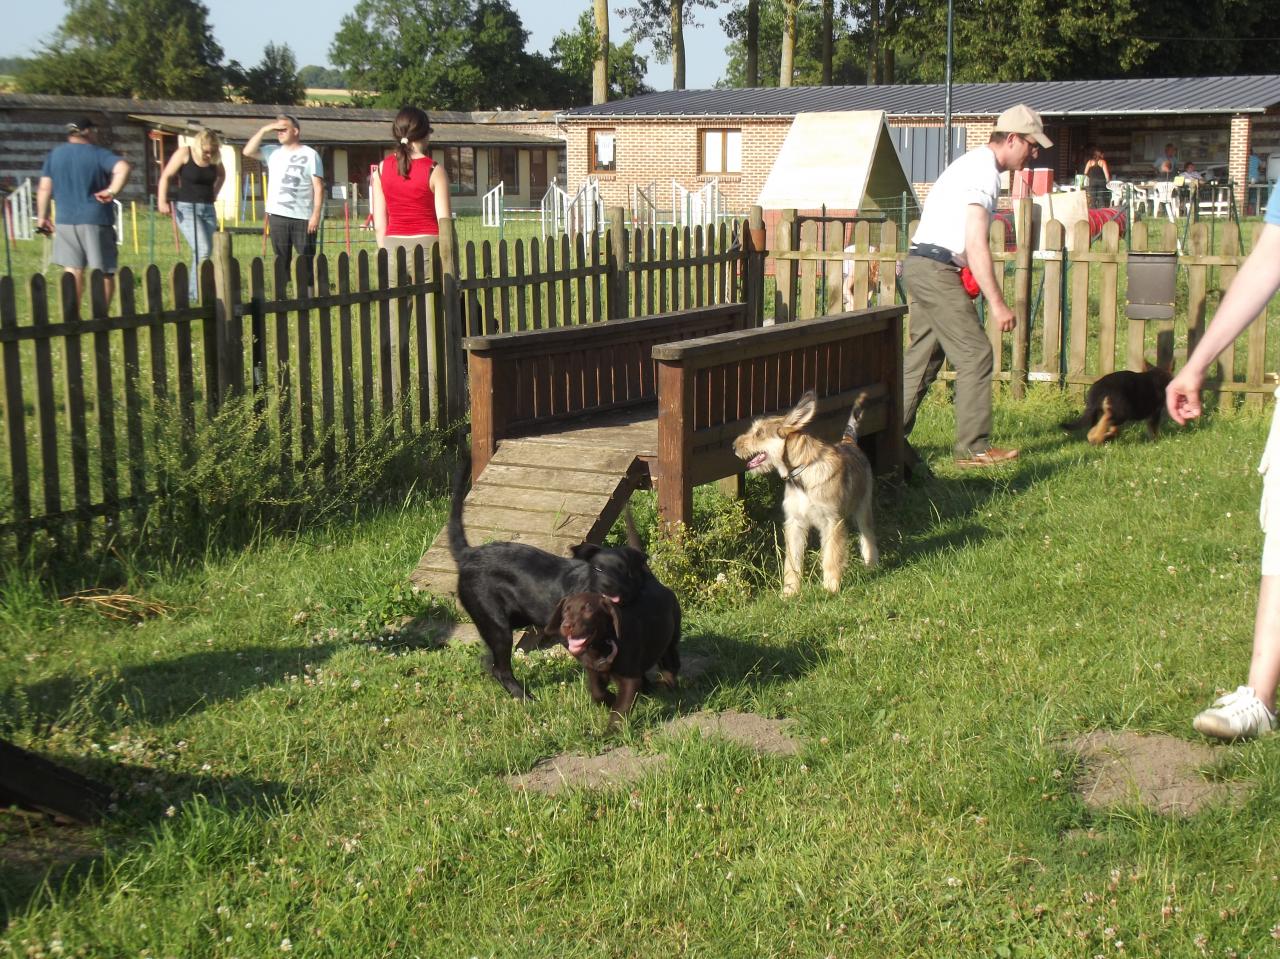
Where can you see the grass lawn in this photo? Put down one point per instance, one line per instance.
(290, 783)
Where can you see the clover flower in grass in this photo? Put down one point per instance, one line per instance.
(286, 945)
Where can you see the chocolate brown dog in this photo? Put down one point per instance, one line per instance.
(620, 643)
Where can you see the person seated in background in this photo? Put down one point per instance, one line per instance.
(1097, 174)
(1167, 163)
(1191, 174)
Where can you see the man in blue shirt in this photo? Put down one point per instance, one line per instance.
(83, 179)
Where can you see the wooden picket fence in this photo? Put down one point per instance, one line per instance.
(348, 351)
(1072, 326)
(369, 347)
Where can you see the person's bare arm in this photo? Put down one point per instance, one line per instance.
(317, 204)
(44, 191)
(254, 146)
(1244, 302)
(440, 190)
(119, 177)
(379, 203)
(977, 250)
(170, 170)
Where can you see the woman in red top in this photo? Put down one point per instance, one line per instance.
(410, 191)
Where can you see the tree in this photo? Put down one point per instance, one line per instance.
(662, 22)
(573, 55)
(600, 64)
(1067, 40)
(159, 49)
(847, 65)
(787, 61)
(322, 77)
(440, 55)
(274, 80)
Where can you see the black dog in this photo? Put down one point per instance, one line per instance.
(504, 586)
(1122, 397)
(620, 643)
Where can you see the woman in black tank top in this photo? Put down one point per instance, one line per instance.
(200, 174)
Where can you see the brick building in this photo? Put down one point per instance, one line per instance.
(734, 135)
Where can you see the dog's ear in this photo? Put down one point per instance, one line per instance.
(557, 617)
(633, 536)
(616, 615)
(584, 551)
(804, 411)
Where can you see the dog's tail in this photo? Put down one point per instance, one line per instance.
(1086, 418)
(633, 535)
(855, 418)
(457, 535)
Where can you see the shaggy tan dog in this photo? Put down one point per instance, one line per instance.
(826, 485)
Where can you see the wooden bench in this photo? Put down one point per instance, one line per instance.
(679, 387)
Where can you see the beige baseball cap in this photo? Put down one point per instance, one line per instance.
(1025, 121)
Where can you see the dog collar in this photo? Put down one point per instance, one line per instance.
(793, 475)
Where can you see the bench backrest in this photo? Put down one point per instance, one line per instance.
(533, 376)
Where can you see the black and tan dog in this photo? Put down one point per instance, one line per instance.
(826, 485)
(1123, 397)
(621, 643)
(504, 586)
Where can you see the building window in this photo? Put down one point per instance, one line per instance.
(460, 165)
(721, 151)
(602, 154)
(504, 167)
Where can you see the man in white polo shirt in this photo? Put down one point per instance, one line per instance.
(295, 189)
(952, 236)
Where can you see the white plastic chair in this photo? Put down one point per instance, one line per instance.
(1118, 192)
(1164, 195)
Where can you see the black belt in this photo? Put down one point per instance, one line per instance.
(931, 251)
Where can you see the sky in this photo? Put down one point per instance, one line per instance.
(242, 27)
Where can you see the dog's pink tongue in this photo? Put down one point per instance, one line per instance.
(578, 644)
(757, 460)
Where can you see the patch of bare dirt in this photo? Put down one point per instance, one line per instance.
(623, 765)
(33, 845)
(614, 767)
(1163, 773)
(764, 735)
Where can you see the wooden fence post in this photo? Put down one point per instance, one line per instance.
(1053, 246)
(785, 272)
(618, 307)
(227, 324)
(450, 293)
(1021, 300)
(754, 253)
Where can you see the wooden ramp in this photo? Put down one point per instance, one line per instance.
(552, 491)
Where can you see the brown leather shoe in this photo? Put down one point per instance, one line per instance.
(989, 457)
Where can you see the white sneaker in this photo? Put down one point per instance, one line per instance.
(1238, 715)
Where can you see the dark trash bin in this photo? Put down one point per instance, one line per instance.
(1152, 282)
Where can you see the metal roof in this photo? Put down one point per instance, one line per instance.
(1059, 99)
(261, 111)
(317, 132)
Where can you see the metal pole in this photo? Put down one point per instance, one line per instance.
(950, 46)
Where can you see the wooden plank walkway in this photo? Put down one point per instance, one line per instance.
(554, 490)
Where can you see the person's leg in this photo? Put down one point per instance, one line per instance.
(1250, 710)
(282, 246)
(924, 355)
(78, 274)
(969, 352)
(186, 216)
(206, 223)
(1264, 666)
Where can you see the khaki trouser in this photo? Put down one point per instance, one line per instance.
(944, 325)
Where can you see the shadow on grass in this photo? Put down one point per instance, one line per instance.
(156, 692)
(40, 855)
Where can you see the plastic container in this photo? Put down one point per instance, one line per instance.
(1041, 180)
(1152, 280)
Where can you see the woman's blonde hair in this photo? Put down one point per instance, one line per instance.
(207, 141)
